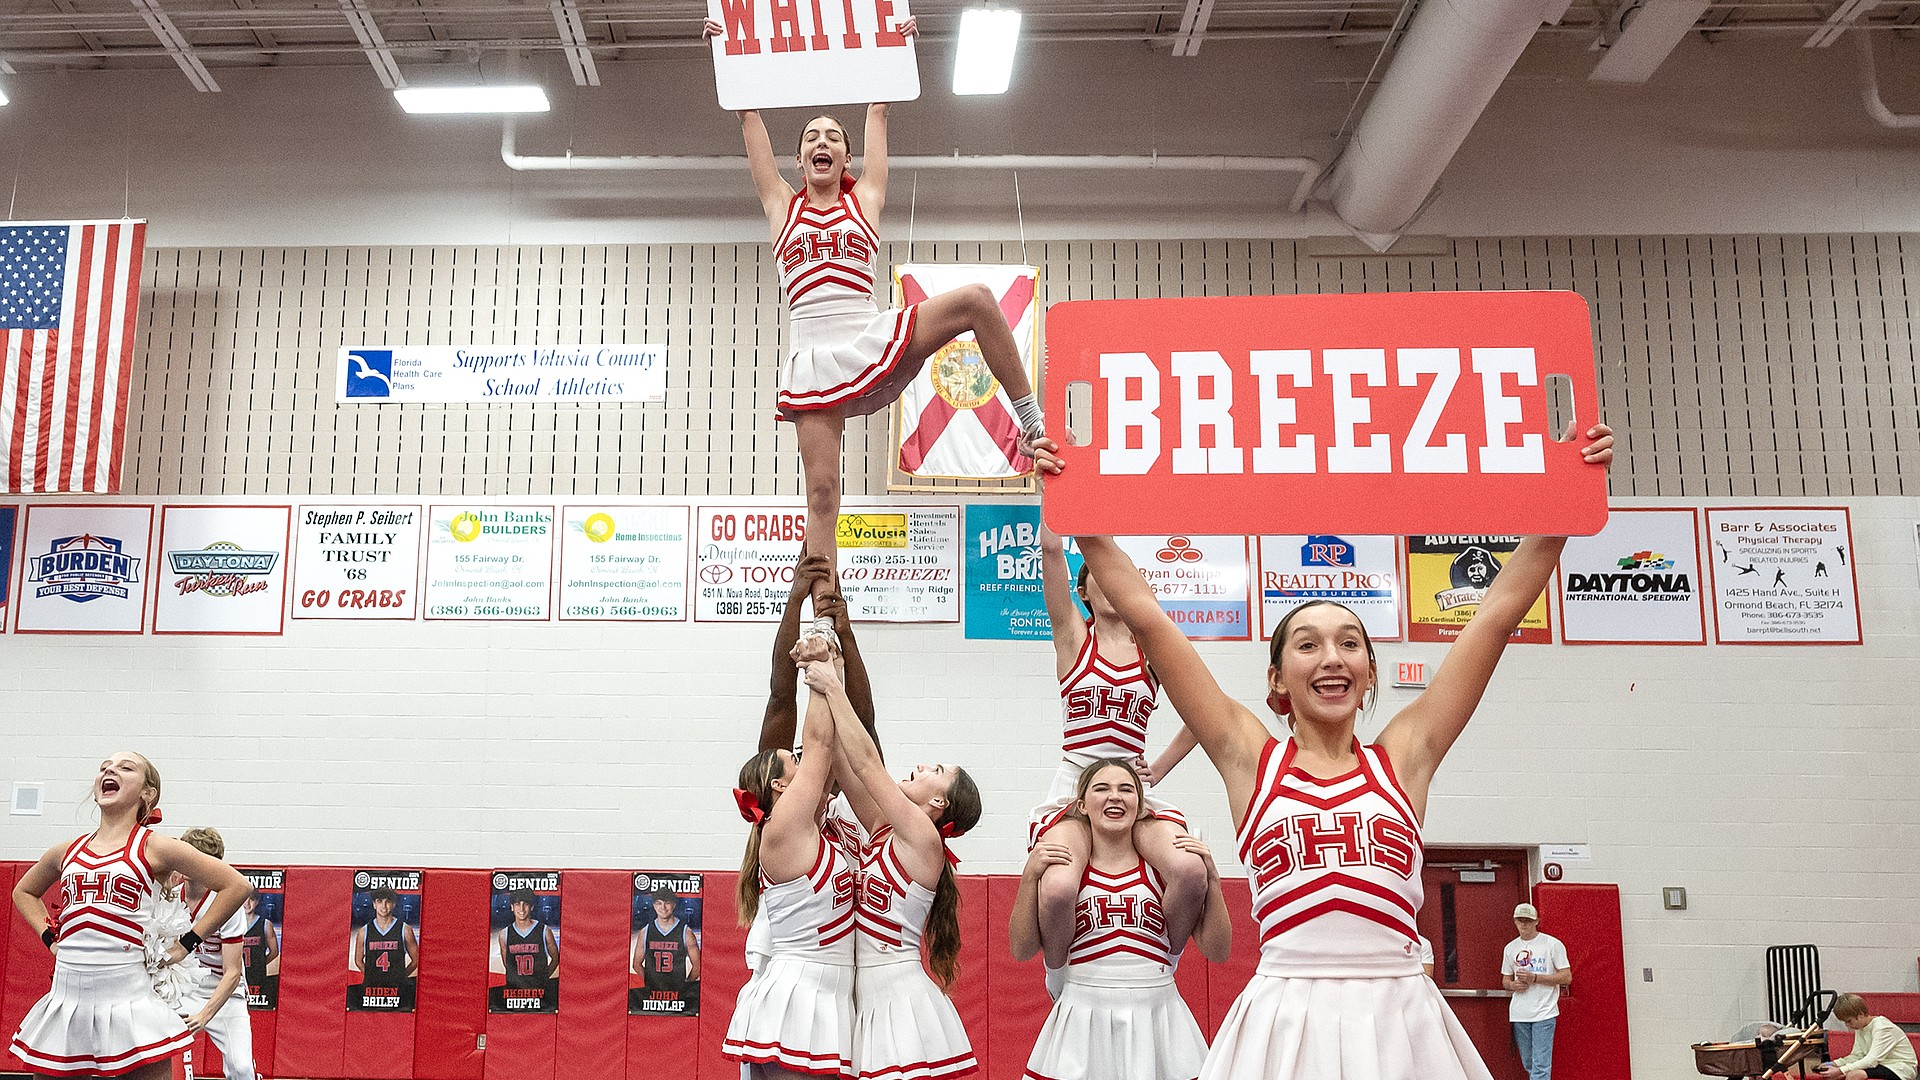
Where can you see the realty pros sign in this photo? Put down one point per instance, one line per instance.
(1371, 413)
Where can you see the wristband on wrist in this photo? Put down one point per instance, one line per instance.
(190, 941)
(47, 937)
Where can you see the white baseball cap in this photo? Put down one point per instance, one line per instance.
(1527, 911)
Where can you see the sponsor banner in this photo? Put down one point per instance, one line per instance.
(523, 958)
(743, 560)
(1361, 572)
(954, 420)
(1783, 576)
(357, 562)
(1001, 557)
(489, 562)
(222, 570)
(1447, 576)
(8, 514)
(264, 912)
(776, 54)
(84, 569)
(624, 563)
(1636, 582)
(901, 565)
(383, 949)
(664, 976)
(1379, 414)
(1203, 582)
(896, 565)
(470, 374)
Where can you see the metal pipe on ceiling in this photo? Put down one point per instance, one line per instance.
(1308, 168)
(1870, 90)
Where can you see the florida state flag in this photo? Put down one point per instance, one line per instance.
(954, 421)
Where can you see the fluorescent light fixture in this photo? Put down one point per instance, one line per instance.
(4, 98)
(984, 62)
(472, 99)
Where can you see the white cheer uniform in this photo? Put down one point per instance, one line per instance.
(841, 828)
(230, 1028)
(843, 353)
(1104, 709)
(102, 1016)
(904, 1027)
(1339, 994)
(1119, 1016)
(796, 1012)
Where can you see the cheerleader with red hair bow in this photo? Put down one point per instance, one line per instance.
(102, 1017)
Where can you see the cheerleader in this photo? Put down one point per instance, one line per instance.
(905, 1027)
(1118, 1015)
(1107, 695)
(795, 1015)
(1330, 829)
(845, 357)
(103, 1017)
(217, 1001)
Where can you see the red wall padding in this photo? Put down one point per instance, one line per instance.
(1590, 1041)
(450, 1007)
(1002, 1003)
(312, 1035)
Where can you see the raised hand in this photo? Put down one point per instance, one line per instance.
(820, 675)
(1600, 450)
(909, 28)
(712, 29)
(1045, 456)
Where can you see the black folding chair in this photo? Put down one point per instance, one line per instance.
(1794, 993)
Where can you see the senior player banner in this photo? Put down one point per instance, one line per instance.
(1361, 572)
(383, 943)
(1448, 576)
(357, 562)
(1783, 575)
(264, 912)
(624, 563)
(1001, 556)
(1384, 414)
(1202, 582)
(489, 374)
(84, 569)
(1635, 582)
(222, 570)
(664, 976)
(778, 54)
(523, 957)
(489, 562)
(954, 420)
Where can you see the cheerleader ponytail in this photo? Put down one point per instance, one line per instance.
(943, 919)
(754, 797)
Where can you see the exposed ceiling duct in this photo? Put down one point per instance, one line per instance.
(1454, 55)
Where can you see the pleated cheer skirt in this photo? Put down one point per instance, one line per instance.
(101, 1021)
(852, 363)
(1101, 1032)
(1342, 1029)
(904, 1028)
(797, 1014)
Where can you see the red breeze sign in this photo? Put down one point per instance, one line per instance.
(1375, 413)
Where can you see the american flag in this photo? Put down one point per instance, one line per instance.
(69, 294)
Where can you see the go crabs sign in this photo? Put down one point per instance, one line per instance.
(1375, 413)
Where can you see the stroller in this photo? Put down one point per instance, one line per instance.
(1763, 1049)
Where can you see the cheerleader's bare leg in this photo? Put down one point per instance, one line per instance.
(972, 308)
(1183, 876)
(1060, 890)
(820, 432)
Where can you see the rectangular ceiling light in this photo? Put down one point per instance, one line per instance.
(472, 99)
(983, 64)
(1653, 30)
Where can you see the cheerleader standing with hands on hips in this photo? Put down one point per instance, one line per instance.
(1339, 993)
(846, 357)
(103, 1017)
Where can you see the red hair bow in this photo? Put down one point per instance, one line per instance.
(1280, 703)
(152, 818)
(847, 180)
(749, 804)
(952, 859)
(948, 830)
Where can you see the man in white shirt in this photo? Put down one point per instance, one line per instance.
(1534, 967)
